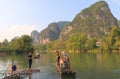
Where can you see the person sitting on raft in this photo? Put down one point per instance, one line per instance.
(62, 64)
(66, 61)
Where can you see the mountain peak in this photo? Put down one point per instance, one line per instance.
(95, 20)
(100, 5)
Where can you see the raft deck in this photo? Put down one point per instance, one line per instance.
(10, 72)
(18, 74)
(64, 71)
(29, 71)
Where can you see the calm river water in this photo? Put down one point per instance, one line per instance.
(86, 66)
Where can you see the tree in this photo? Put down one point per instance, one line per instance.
(76, 42)
(117, 44)
(115, 34)
(4, 44)
(105, 45)
(116, 37)
(14, 44)
(43, 47)
(49, 46)
(22, 44)
(59, 45)
(27, 41)
(91, 44)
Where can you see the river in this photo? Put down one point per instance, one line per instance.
(86, 66)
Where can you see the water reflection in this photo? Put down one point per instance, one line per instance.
(30, 76)
(86, 66)
(68, 77)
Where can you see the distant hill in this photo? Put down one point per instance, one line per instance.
(35, 36)
(95, 20)
(52, 32)
(62, 23)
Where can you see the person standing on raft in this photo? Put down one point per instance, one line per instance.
(30, 53)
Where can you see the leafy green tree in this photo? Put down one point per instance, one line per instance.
(117, 44)
(59, 45)
(4, 44)
(111, 41)
(14, 44)
(22, 44)
(43, 47)
(91, 44)
(76, 42)
(49, 46)
(27, 41)
(115, 33)
(105, 45)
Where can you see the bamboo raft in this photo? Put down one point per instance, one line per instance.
(64, 71)
(27, 71)
(9, 74)
(18, 74)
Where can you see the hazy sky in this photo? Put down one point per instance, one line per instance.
(18, 17)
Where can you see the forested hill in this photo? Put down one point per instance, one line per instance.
(119, 23)
(52, 32)
(35, 36)
(95, 20)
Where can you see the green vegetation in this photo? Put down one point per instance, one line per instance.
(18, 45)
(93, 29)
(80, 43)
(76, 42)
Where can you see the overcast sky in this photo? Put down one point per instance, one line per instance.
(18, 17)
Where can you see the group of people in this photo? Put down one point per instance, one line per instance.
(30, 57)
(63, 61)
